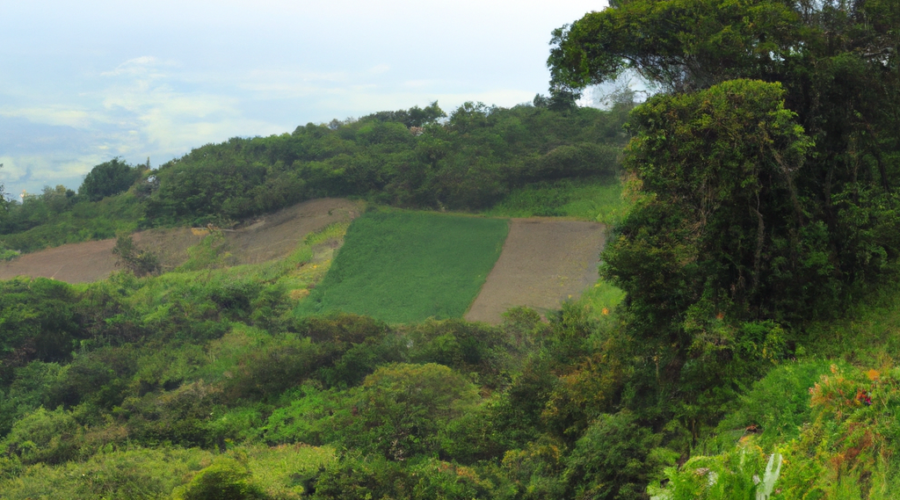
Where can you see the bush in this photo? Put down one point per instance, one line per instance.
(228, 478)
(44, 436)
(39, 320)
(139, 262)
(399, 410)
(615, 458)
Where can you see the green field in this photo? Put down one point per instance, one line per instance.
(599, 199)
(403, 267)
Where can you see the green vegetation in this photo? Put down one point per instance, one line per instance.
(7, 254)
(141, 263)
(407, 158)
(742, 342)
(403, 267)
(766, 216)
(110, 178)
(467, 163)
(599, 200)
(58, 216)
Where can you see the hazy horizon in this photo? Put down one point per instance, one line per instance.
(84, 83)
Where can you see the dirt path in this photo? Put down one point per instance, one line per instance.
(264, 238)
(544, 262)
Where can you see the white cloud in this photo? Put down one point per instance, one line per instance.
(143, 66)
(51, 115)
(415, 84)
(32, 172)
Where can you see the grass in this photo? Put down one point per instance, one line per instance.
(866, 335)
(601, 298)
(597, 200)
(404, 267)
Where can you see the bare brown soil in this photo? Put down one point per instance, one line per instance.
(261, 239)
(543, 263)
(74, 263)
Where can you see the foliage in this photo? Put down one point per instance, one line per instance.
(354, 478)
(227, 478)
(43, 436)
(399, 158)
(747, 214)
(137, 473)
(775, 407)
(408, 266)
(164, 472)
(741, 344)
(110, 178)
(745, 472)
(615, 458)
(58, 216)
(408, 158)
(399, 409)
(139, 262)
(7, 254)
(844, 449)
(710, 247)
(414, 117)
(38, 320)
(601, 200)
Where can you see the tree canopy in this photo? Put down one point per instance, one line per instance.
(837, 69)
(469, 162)
(109, 178)
(767, 164)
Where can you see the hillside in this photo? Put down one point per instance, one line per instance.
(740, 340)
(469, 161)
(258, 240)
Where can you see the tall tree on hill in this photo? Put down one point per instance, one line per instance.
(109, 178)
(822, 214)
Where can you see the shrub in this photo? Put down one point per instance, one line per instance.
(44, 436)
(228, 478)
(139, 262)
(399, 409)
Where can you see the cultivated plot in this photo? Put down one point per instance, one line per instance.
(265, 238)
(404, 267)
(544, 262)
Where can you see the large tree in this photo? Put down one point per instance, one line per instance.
(109, 178)
(837, 63)
(768, 164)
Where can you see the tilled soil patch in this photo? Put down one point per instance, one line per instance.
(73, 263)
(543, 263)
(261, 239)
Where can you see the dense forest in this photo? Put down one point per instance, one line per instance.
(741, 343)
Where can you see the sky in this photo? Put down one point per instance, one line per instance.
(84, 82)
